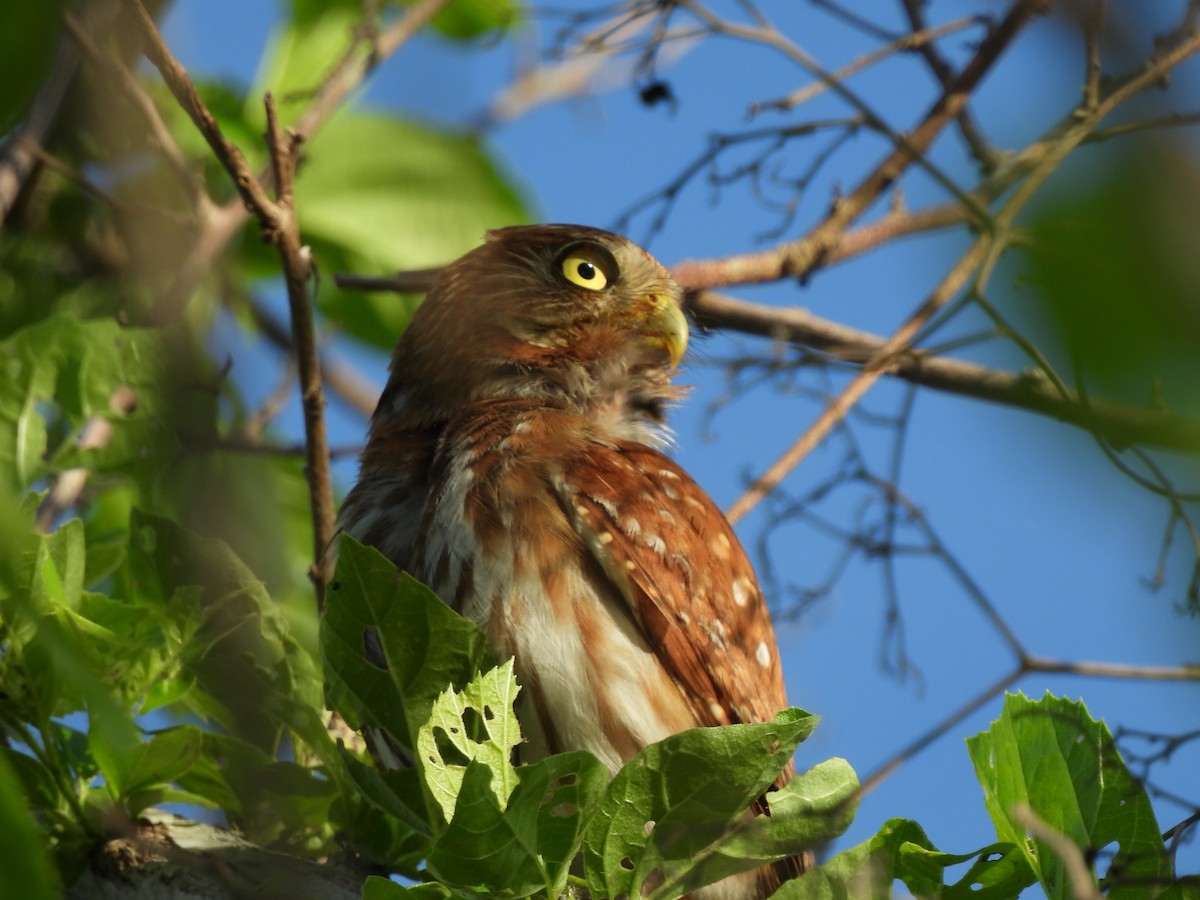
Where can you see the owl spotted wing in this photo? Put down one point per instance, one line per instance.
(684, 575)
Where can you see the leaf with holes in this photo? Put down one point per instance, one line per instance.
(425, 643)
(1051, 755)
(677, 799)
(809, 810)
(529, 846)
(476, 724)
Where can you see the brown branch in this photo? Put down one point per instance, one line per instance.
(942, 71)
(1184, 672)
(871, 371)
(1120, 424)
(337, 87)
(297, 267)
(180, 85)
(279, 227)
(801, 257)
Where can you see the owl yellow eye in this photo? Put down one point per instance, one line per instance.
(588, 267)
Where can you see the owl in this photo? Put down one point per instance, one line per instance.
(515, 464)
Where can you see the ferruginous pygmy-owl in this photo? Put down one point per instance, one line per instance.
(513, 465)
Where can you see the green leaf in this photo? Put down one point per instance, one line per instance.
(378, 194)
(379, 888)
(674, 802)
(900, 850)
(488, 737)
(425, 644)
(397, 793)
(25, 869)
(529, 846)
(809, 810)
(27, 43)
(1114, 279)
(467, 19)
(166, 757)
(1051, 755)
(62, 375)
(249, 674)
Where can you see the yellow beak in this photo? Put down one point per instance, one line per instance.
(664, 325)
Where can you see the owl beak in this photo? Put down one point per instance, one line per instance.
(664, 325)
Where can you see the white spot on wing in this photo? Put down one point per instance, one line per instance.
(741, 591)
(763, 654)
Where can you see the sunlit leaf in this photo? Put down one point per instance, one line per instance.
(448, 737)
(1052, 756)
(380, 194)
(667, 810)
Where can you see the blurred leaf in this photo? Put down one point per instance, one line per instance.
(669, 807)
(166, 757)
(27, 43)
(25, 868)
(56, 374)
(251, 676)
(467, 19)
(300, 54)
(378, 888)
(1051, 755)
(1113, 260)
(379, 194)
(449, 736)
(426, 645)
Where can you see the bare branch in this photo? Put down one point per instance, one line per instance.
(1185, 672)
(279, 226)
(919, 39)
(1118, 423)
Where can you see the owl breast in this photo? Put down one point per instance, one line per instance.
(498, 545)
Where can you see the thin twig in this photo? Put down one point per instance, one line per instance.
(253, 193)
(1185, 672)
(944, 73)
(908, 42)
(297, 268)
(333, 92)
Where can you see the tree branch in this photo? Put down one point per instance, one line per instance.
(280, 228)
(1120, 424)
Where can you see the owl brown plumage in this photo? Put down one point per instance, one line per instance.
(513, 464)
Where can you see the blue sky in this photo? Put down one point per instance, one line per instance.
(1060, 543)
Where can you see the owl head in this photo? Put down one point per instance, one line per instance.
(563, 314)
